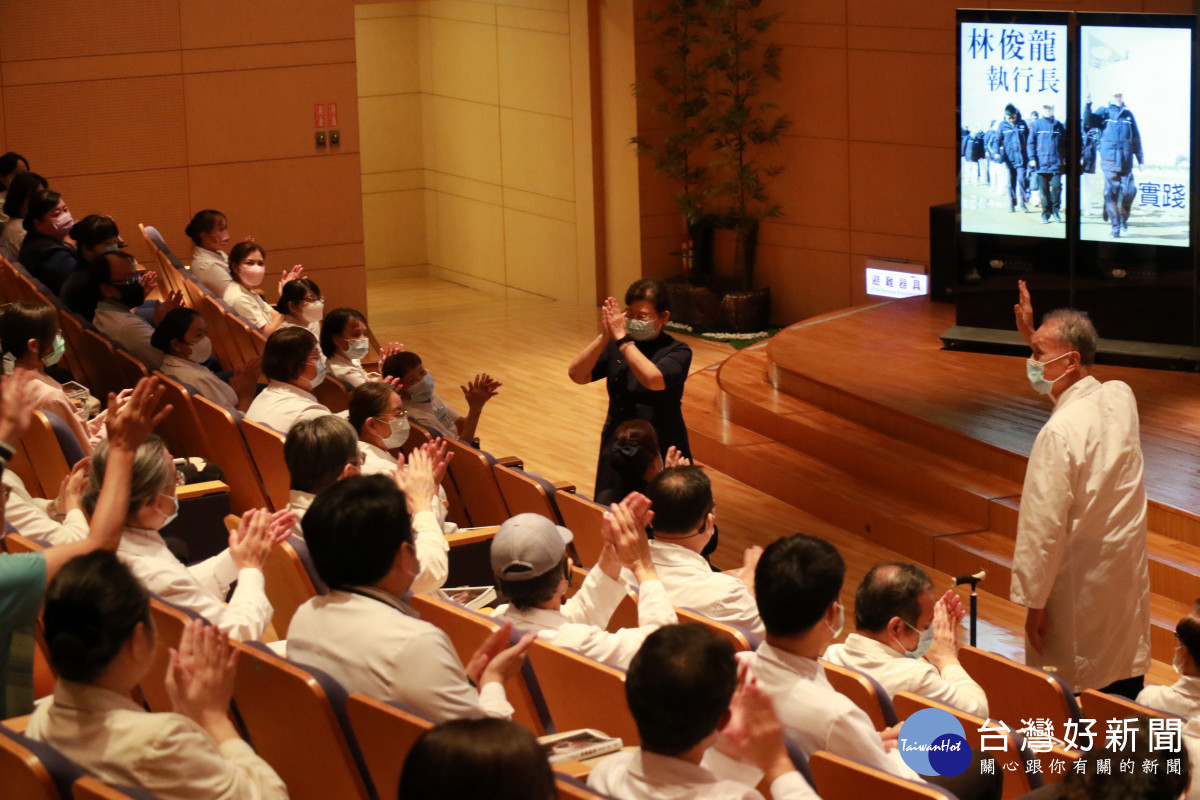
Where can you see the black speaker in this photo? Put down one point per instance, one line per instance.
(943, 252)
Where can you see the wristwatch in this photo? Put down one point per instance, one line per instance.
(624, 340)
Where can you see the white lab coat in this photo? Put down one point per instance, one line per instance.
(1081, 538)
(642, 775)
(1181, 697)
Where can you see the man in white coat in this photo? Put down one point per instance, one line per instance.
(1080, 566)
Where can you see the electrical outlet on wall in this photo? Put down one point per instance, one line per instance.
(320, 138)
(335, 138)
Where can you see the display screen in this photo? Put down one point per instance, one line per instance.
(1012, 109)
(1135, 151)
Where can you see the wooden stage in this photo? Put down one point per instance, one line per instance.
(860, 419)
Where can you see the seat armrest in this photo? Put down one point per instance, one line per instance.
(511, 461)
(563, 486)
(200, 489)
(465, 536)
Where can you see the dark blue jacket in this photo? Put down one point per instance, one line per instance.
(1046, 147)
(48, 259)
(1120, 141)
(1013, 136)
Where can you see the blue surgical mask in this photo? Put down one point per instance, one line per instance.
(357, 348)
(174, 511)
(640, 330)
(923, 644)
(423, 391)
(56, 353)
(399, 434)
(1035, 371)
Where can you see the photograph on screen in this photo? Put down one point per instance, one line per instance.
(1013, 138)
(1135, 151)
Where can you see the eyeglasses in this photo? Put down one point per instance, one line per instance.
(401, 414)
(640, 317)
(314, 300)
(126, 281)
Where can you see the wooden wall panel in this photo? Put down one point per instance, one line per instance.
(69, 28)
(227, 23)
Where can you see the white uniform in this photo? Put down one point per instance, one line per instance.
(201, 587)
(434, 415)
(380, 462)
(374, 643)
(641, 775)
(281, 405)
(129, 329)
(691, 583)
(1181, 697)
(1081, 538)
(211, 269)
(347, 370)
(118, 742)
(895, 672)
(14, 237)
(29, 515)
(247, 305)
(580, 624)
(202, 379)
(818, 717)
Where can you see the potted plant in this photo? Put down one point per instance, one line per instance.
(711, 69)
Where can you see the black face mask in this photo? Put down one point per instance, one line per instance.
(132, 294)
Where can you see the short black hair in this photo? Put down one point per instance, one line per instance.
(41, 203)
(1188, 631)
(316, 452)
(202, 222)
(93, 229)
(99, 268)
(398, 364)
(286, 352)
(368, 400)
(334, 324)
(680, 497)
(892, 589)
(25, 320)
(20, 190)
(354, 529)
(93, 606)
(797, 579)
(294, 291)
(173, 327)
(8, 164)
(651, 289)
(491, 759)
(1010, 109)
(529, 593)
(679, 686)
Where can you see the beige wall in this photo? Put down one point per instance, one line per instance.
(476, 143)
(149, 111)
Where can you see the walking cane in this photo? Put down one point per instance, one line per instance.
(974, 581)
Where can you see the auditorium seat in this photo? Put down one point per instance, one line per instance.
(218, 330)
(31, 770)
(226, 440)
(181, 430)
(1103, 707)
(333, 394)
(468, 630)
(1016, 691)
(290, 581)
(129, 367)
(99, 350)
(295, 718)
(169, 622)
(266, 449)
(838, 778)
(865, 691)
(385, 733)
(1010, 761)
(527, 492)
(87, 788)
(46, 455)
(585, 519)
(72, 328)
(472, 472)
(581, 692)
(740, 640)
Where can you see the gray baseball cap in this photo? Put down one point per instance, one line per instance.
(527, 546)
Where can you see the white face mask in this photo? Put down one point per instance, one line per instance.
(201, 350)
(423, 391)
(841, 622)
(923, 644)
(1035, 371)
(399, 435)
(313, 312)
(357, 348)
(174, 510)
(252, 275)
(1177, 660)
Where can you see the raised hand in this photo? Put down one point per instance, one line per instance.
(129, 423)
(290, 275)
(439, 455)
(245, 378)
(149, 280)
(675, 458)
(416, 481)
(614, 318)
(944, 650)
(627, 535)
(70, 493)
(481, 389)
(281, 525)
(251, 543)
(753, 733)
(390, 350)
(200, 678)
(1024, 313)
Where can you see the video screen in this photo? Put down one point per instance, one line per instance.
(1013, 137)
(1135, 152)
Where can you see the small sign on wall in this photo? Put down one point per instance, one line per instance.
(333, 115)
(319, 115)
(882, 281)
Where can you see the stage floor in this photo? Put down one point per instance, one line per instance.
(889, 355)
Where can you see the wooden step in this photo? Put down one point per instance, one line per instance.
(749, 400)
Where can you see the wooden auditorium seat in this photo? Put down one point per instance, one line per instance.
(88, 788)
(181, 430)
(99, 351)
(472, 473)
(333, 394)
(266, 449)
(838, 778)
(385, 733)
(730, 633)
(31, 770)
(585, 519)
(46, 456)
(130, 368)
(580, 692)
(1016, 691)
(169, 622)
(246, 491)
(288, 582)
(526, 493)
(865, 691)
(1103, 707)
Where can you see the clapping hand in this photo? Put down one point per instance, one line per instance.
(290, 275)
(483, 387)
(200, 678)
(1024, 313)
(613, 318)
(130, 421)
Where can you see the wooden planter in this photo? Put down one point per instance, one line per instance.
(707, 306)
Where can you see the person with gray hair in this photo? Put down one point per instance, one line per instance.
(318, 452)
(907, 640)
(1080, 566)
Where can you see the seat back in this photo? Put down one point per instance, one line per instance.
(582, 693)
(289, 583)
(72, 330)
(476, 484)
(88, 788)
(169, 267)
(46, 456)
(468, 630)
(1102, 707)
(866, 693)
(838, 778)
(226, 351)
(32, 770)
(221, 431)
(169, 622)
(181, 430)
(524, 493)
(1016, 691)
(294, 723)
(266, 449)
(385, 734)
(730, 633)
(131, 368)
(333, 394)
(585, 519)
(248, 339)
(101, 353)
(68, 442)
(1010, 760)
